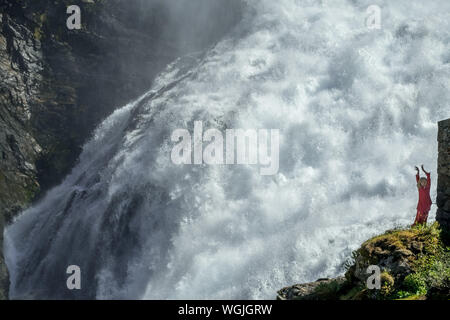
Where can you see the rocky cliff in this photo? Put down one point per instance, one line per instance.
(58, 84)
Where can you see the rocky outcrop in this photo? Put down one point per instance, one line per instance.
(443, 186)
(329, 289)
(58, 84)
(394, 252)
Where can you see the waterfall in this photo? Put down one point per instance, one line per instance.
(356, 109)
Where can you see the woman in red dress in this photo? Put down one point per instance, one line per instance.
(424, 205)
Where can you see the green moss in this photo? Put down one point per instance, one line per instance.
(38, 33)
(423, 239)
(387, 284)
(30, 192)
(402, 238)
(413, 297)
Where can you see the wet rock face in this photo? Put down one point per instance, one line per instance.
(4, 284)
(443, 186)
(20, 73)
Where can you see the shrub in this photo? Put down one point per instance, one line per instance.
(415, 284)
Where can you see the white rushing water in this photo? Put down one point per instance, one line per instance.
(356, 109)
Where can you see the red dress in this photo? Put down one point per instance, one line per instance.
(424, 204)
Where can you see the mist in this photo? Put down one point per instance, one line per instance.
(189, 25)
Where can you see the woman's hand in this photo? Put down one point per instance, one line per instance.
(423, 169)
(417, 169)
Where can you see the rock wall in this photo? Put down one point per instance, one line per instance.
(443, 187)
(20, 73)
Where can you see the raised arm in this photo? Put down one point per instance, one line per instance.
(428, 176)
(417, 174)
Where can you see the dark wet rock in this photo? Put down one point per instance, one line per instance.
(443, 185)
(322, 289)
(441, 292)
